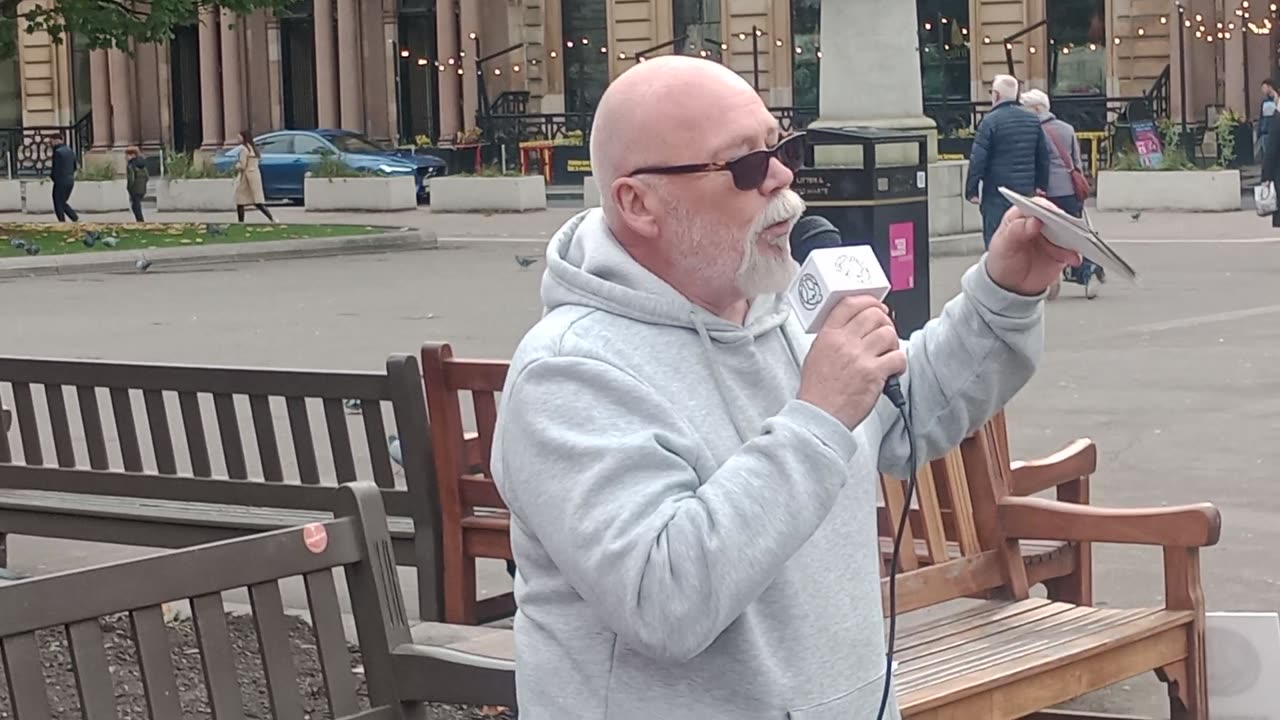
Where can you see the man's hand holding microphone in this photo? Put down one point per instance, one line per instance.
(855, 352)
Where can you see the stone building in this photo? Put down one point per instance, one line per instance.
(400, 69)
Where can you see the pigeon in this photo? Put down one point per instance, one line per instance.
(1136, 216)
(142, 264)
(353, 405)
(393, 447)
(91, 238)
(111, 241)
(33, 249)
(525, 261)
(18, 244)
(214, 229)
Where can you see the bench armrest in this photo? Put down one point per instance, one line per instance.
(1076, 461)
(427, 673)
(1026, 518)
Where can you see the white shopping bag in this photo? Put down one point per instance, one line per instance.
(1264, 198)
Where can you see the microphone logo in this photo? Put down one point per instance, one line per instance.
(851, 267)
(810, 291)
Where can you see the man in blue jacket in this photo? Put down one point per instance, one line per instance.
(1010, 151)
(63, 174)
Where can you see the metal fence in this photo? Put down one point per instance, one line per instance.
(26, 154)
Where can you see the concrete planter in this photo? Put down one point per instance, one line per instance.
(89, 196)
(590, 192)
(949, 212)
(494, 194)
(1177, 190)
(208, 195)
(365, 193)
(11, 196)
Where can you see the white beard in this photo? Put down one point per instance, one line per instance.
(760, 274)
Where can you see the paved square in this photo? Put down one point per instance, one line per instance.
(1177, 380)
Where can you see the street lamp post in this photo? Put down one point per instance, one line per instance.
(1182, 65)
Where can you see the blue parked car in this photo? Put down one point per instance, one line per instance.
(288, 155)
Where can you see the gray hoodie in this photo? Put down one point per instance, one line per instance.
(693, 541)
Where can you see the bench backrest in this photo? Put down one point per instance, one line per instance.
(73, 604)
(951, 549)
(173, 426)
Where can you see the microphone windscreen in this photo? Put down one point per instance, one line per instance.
(810, 233)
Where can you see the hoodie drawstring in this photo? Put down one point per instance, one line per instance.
(722, 385)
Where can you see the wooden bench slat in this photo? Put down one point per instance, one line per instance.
(479, 491)
(331, 643)
(217, 659)
(25, 675)
(931, 512)
(126, 429)
(224, 409)
(976, 624)
(193, 427)
(161, 432)
(264, 432)
(91, 420)
(1002, 634)
(375, 433)
(895, 501)
(93, 675)
(63, 447)
(344, 464)
(6, 418)
(989, 668)
(186, 512)
(486, 408)
(277, 652)
(32, 452)
(158, 680)
(480, 375)
(304, 448)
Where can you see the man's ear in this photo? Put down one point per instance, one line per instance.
(637, 205)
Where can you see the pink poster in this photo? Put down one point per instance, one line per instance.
(902, 256)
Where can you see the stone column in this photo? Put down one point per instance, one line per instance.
(100, 84)
(869, 51)
(450, 87)
(327, 113)
(210, 81)
(470, 22)
(124, 120)
(232, 89)
(349, 66)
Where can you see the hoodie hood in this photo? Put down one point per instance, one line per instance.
(586, 266)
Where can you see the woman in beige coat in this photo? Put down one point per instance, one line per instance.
(249, 179)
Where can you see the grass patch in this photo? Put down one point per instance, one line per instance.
(66, 239)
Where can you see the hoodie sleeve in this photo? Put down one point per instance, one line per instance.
(601, 471)
(963, 367)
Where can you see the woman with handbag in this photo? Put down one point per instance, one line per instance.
(1068, 186)
(1265, 193)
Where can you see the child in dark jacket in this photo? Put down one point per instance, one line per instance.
(137, 175)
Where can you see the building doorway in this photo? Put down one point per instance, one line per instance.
(418, 71)
(184, 88)
(298, 81)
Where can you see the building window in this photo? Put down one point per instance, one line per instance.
(806, 16)
(1078, 38)
(298, 50)
(81, 89)
(944, 49)
(586, 59)
(696, 27)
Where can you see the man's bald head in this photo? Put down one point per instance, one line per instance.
(662, 111)
(716, 238)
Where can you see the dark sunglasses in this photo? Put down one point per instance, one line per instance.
(750, 170)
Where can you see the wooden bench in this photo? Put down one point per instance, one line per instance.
(398, 676)
(193, 454)
(1015, 656)
(475, 523)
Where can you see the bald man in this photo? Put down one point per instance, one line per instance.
(692, 479)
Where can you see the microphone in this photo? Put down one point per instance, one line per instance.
(830, 272)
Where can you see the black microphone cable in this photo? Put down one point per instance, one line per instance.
(893, 390)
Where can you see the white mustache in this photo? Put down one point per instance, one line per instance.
(785, 206)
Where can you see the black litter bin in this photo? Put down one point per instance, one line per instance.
(886, 207)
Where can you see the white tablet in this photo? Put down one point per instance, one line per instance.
(1073, 234)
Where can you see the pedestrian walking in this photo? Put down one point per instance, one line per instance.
(1271, 160)
(1265, 111)
(249, 179)
(1008, 151)
(136, 175)
(62, 172)
(1067, 187)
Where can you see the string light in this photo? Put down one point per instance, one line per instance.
(603, 50)
(472, 36)
(1164, 20)
(1141, 32)
(777, 42)
(422, 61)
(799, 50)
(569, 44)
(622, 56)
(586, 41)
(554, 54)
(1093, 46)
(1032, 49)
(497, 71)
(404, 53)
(1117, 41)
(986, 39)
(515, 68)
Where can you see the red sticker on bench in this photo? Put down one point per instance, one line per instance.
(316, 537)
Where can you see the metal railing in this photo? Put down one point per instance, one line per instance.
(27, 155)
